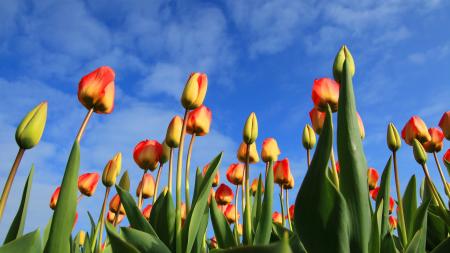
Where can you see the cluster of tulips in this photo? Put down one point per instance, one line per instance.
(333, 209)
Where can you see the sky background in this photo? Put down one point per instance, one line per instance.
(260, 56)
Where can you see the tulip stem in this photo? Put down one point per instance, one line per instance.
(267, 169)
(435, 195)
(247, 211)
(236, 208)
(79, 198)
(187, 172)
(444, 181)
(84, 124)
(140, 191)
(155, 194)
(116, 215)
(283, 222)
(178, 242)
(308, 156)
(400, 212)
(170, 170)
(335, 172)
(101, 220)
(287, 209)
(10, 180)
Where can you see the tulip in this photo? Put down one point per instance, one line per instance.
(444, 124)
(250, 129)
(291, 211)
(183, 212)
(230, 213)
(239, 229)
(112, 170)
(393, 138)
(146, 212)
(87, 183)
(30, 130)
(290, 184)
(436, 142)
(235, 173)
(419, 152)
(374, 193)
(199, 121)
(338, 65)
(270, 150)
(165, 155)
(372, 178)
(54, 198)
(309, 137)
(325, 92)
(391, 204)
(216, 178)
(147, 186)
(254, 187)
(392, 222)
(362, 132)
(174, 132)
(81, 238)
(281, 172)
(338, 167)
(446, 158)
(242, 153)
(224, 195)
(115, 205)
(96, 90)
(194, 91)
(147, 154)
(277, 218)
(213, 243)
(415, 128)
(317, 119)
(111, 217)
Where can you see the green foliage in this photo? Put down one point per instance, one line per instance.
(29, 243)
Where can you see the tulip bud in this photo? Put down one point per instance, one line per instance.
(124, 182)
(213, 243)
(325, 92)
(54, 198)
(230, 213)
(446, 159)
(392, 222)
(199, 121)
(372, 178)
(30, 130)
(391, 204)
(281, 172)
(415, 128)
(250, 129)
(270, 150)
(147, 184)
(317, 119)
(254, 187)
(290, 184)
(393, 138)
(87, 183)
(174, 132)
(224, 195)
(115, 205)
(112, 170)
(444, 124)
(239, 229)
(165, 155)
(235, 173)
(147, 154)
(338, 66)
(242, 153)
(419, 152)
(81, 237)
(374, 193)
(194, 91)
(362, 132)
(277, 218)
(216, 177)
(309, 137)
(147, 210)
(291, 211)
(111, 216)
(96, 90)
(437, 140)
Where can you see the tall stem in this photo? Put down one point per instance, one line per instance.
(170, 171)
(267, 168)
(335, 172)
(101, 220)
(187, 172)
(84, 124)
(247, 211)
(400, 202)
(140, 191)
(10, 180)
(308, 156)
(158, 176)
(287, 209)
(444, 181)
(79, 198)
(236, 209)
(283, 221)
(434, 192)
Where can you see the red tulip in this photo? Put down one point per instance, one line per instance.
(437, 140)
(415, 128)
(317, 119)
(110, 217)
(87, 183)
(338, 167)
(270, 150)
(281, 172)
(183, 213)
(54, 198)
(199, 121)
(444, 124)
(277, 218)
(147, 210)
(446, 158)
(147, 154)
(254, 187)
(149, 186)
(230, 212)
(216, 178)
(325, 91)
(392, 222)
(224, 195)
(391, 204)
(372, 178)
(235, 173)
(96, 90)
(115, 204)
(213, 243)
(291, 212)
(374, 193)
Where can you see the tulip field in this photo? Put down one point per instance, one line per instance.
(343, 205)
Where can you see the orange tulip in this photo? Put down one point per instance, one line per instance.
(54, 198)
(291, 211)
(415, 128)
(393, 222)
(212, 195)
(254, 187)
(224, 195)
(96, 90)
(374, 193)
(446, 158)
(270, 150)
(362, 132)
(147, 154)
(281, 172)
(147, 210)
(194, 91)
(391, 204)
(372, 178)
(149, 186)
(87, 183)
(216, 178)
(437, 140)
(444, 124)
(230, 213)
(277, 218)
(235, 173)
(317, 119)
(199, 121)
(112, 215)
(242, 153)
(325, 91)
(114, 205)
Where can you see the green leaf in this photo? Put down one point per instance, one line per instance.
(388, 245)
(384, 195)
(119, 244)
(410, 205)
(165, 224)
(353, 175)
(93, 226)
(64, 214)
(415, 245)
(257, 205)
(144, 242)
(279, 247)
(436, 229)
(418, 241)
(198, 182)
(199, 241)
(18, 224)
(222, 231)
(264, 229)
(443, 247)
(375, 241)
(320, 210)
(29, 243)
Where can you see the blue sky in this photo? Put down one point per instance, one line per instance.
(260, 56)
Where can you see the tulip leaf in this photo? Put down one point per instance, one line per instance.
(93, 226)
(222, 231)
(144, 242)
(199, 203)
(29, 243)
(165, 223)
(443, 247)
(383, 195)
(64, 214)
(320, 209)
(388, 244)
(198, 182)
(118, 243)
(437, 230)
(257, 206)
(264, 228)
(418, 241)
(18, 224)
(410, 205)
(278, 247)
(199, 242)
(374, 242)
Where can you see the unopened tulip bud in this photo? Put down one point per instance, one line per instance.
(96, 90)
(362, 132)
(87, 183)
(277, 218)
(183, 213)
(165, 155)
(230, 213)
(112, 170)
(444, 124)
(147, 154)
(437, 140)
(199, 121)
(281, 172)
(30, 130)
(372, 178)
(317, 119)
(290, 184)
(392, 222)
(235, 173)
(81, 237)
(194, 91)
(309, 137)
(147, 210)
(111, 216)
(216, 177)
(270, 150)
(338, 66)
(254, 187)
(224, 194)
(242, 153)
(115, 205)
(325, 92)
(54, 198)
(174, 132)
(393, 138)
(415, 128)
(419, 152)
(446, 158)
(250, 129)
(147, 184)
(124, 182)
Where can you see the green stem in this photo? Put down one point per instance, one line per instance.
(169, 178)
(84, 124)
(187, 172)
(155, 194)
(308, 156)
(437, 201)
(247, 211)
(101, 220)
(444, 181)
(283, 221)
(400, 213)
(333, 166)
(10, 180)
(287, 209)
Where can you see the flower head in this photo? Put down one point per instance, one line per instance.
(242, 153)
(96, 90)
(281, 172)
(392, 222)
(174, 132)
(229, 213)
(31, 128)
(277, 218)
(147, 185)
(235, 173)
(338, 66)
(147, 154)
(199, 121)
(216, 177)
(54, 198)
(224, 194)
(372, 178)
(436, 142)
(317, 119)
(309, 137)
(270, 150)
(444, 124)
(146, 211)
(87, 183)
(415, 128)
(111, 216)
(112, 170)
(325, 92)
(250, 129)
(115, 205)
(194, 91)
(254, 187)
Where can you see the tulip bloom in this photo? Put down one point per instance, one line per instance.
(194, 91)
(235, 173)
(392, 222)
(270, 150)
(437, 140)
(415, 128)
(111, 216)
(277, 218)
(317, 119)
(213, 243)
(165, 155)
(291, 211)
(54, 198)
(112, 170)
(446, 158)
(281, 172)
(114, 205)
(325, 92)
(242, 153)
(147, 154)
(30, 130)
(391, 204)
(183, 213)
(147, 184)
(372, 178)
(174, 132)
(393, 138)
(254, 187)
(87, 183)
(224, 194)
(338, 167)
(216, 178)
(230, 213)
(444, 124)
(147, 210)
(199, 121)
(96, 90)
(290, 184)
(374, 193)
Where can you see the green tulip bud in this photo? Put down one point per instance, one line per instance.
(419, 152)
(309, 137)
(251, 129)
(30, 130)
(124, 182)
(338, 66)
(393, 138)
